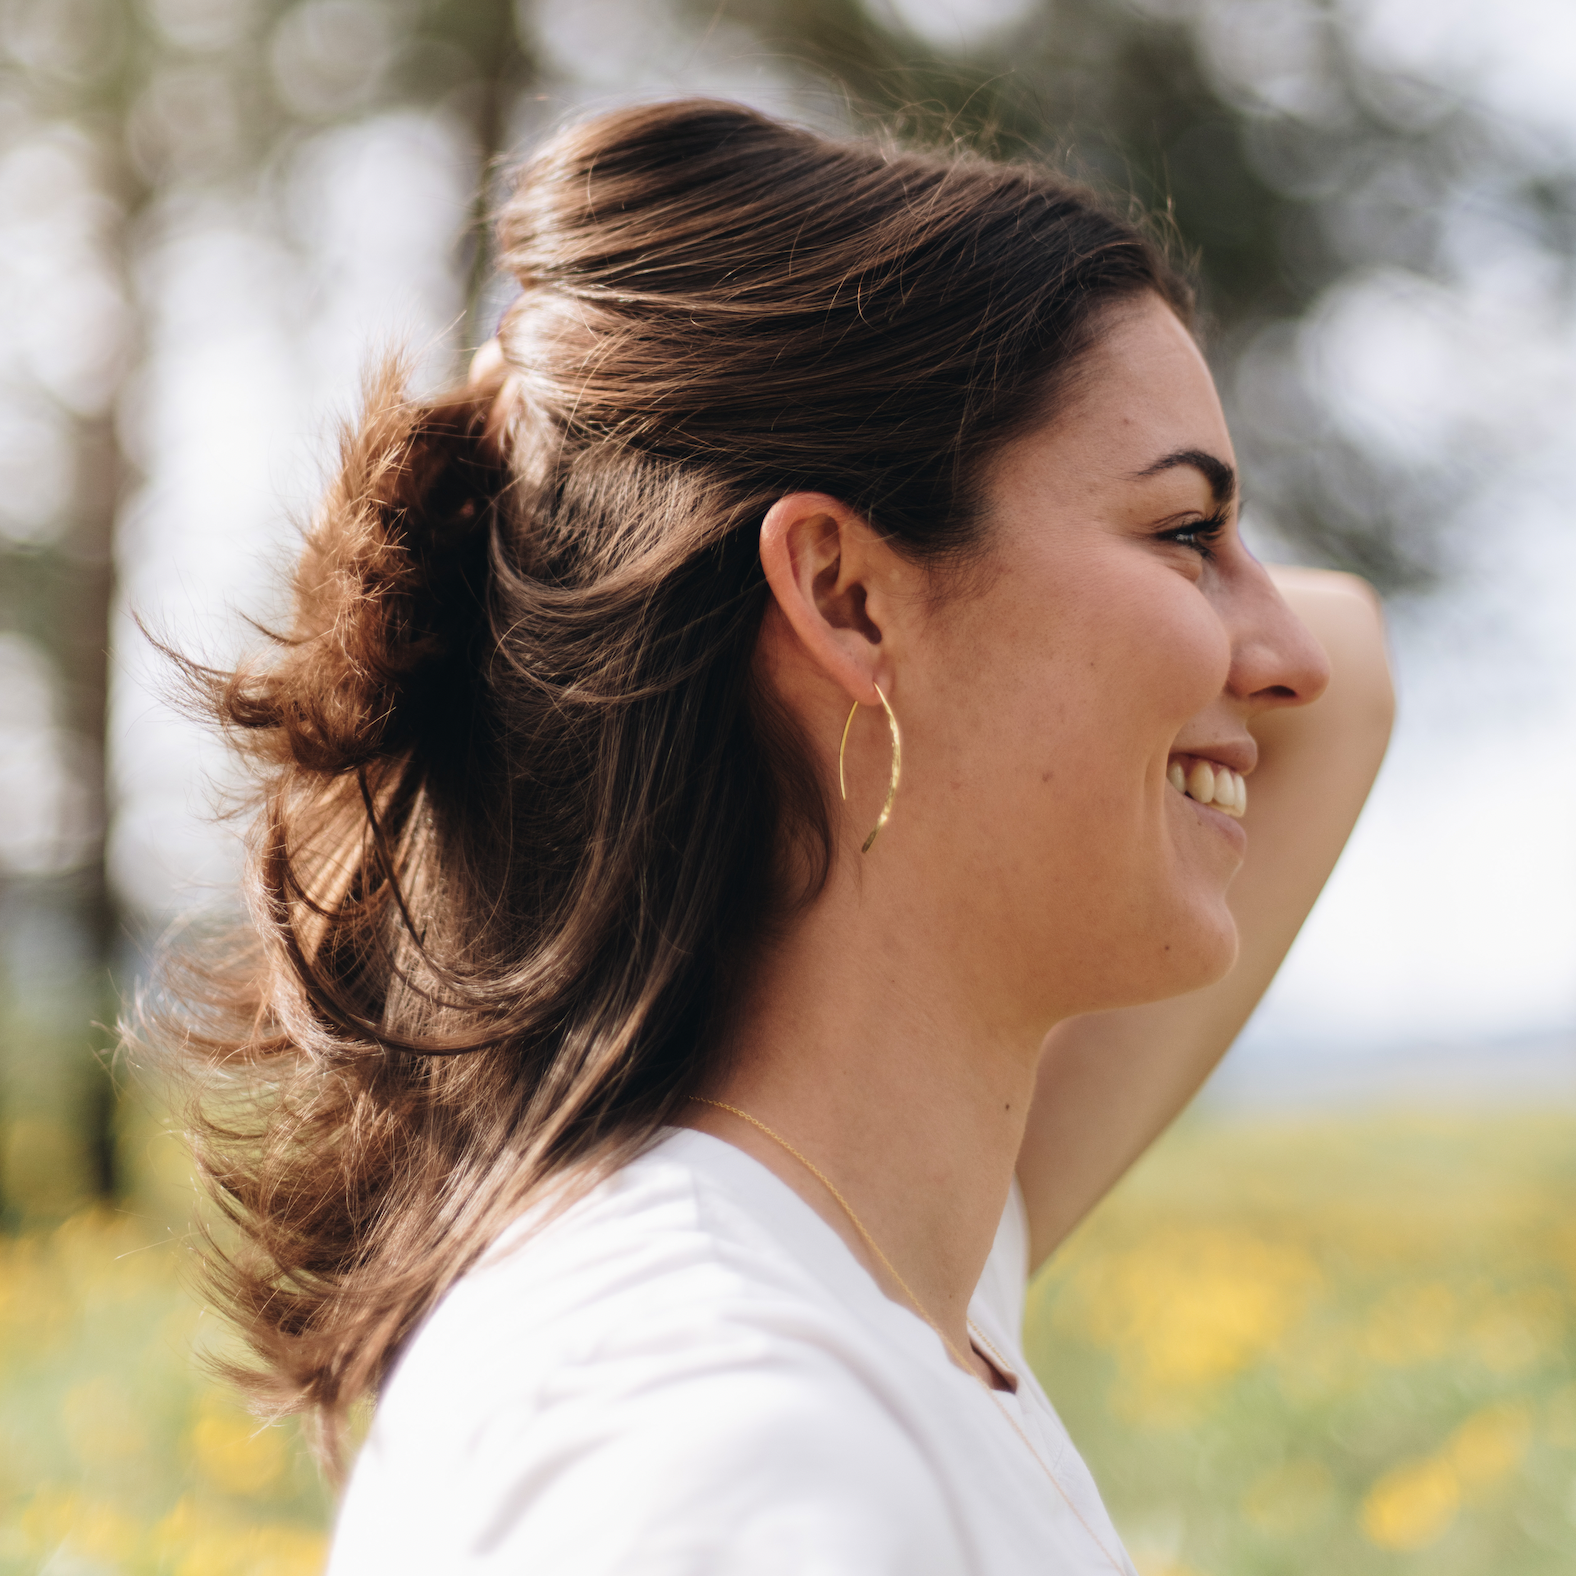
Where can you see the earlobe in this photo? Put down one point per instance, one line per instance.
(817, 557)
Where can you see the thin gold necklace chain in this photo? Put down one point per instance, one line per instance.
(919, 1308)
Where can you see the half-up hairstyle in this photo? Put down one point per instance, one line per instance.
(525, 808)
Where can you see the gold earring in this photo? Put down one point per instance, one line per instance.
(897, 766)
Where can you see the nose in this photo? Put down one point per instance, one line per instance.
(1275, 659)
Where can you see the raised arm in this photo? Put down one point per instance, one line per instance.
(1111, 1082)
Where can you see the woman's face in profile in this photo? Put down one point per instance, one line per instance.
(1122, 631)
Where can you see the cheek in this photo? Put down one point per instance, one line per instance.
(1067, 694)
(1129, 665)
(1038, 785)
(1183, 654)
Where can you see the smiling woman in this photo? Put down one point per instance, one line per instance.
(600, 1092)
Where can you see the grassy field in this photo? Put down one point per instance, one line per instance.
(1285, 1349)
(1330, 1347)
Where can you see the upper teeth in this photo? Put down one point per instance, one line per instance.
(1210, 784)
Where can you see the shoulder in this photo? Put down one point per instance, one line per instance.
(656, 1350)
(656, 1253)
(739, 1470)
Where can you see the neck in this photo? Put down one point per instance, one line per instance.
(858, 1047)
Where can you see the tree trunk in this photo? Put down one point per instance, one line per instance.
(84, 654)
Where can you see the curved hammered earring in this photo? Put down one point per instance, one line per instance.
(897, 766)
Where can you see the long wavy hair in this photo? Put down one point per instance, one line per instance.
(526, 808)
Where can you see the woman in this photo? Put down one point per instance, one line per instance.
(763, 766)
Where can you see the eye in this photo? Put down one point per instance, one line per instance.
(1200, 535)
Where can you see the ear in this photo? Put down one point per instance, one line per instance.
(819, 557)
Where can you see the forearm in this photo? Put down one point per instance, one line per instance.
(1110, 1083)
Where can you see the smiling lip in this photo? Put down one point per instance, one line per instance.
(1209, 782)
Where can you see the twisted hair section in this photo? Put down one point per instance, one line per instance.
(525, 806)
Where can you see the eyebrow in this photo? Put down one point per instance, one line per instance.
(1221, 477)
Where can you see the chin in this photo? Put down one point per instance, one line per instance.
(1188, 958)
(1210, 953)
(1197, 952)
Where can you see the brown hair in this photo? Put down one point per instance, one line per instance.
(522, 797)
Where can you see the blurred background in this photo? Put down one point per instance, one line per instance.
(1331, 1322)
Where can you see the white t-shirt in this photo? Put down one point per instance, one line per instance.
(687, 1373)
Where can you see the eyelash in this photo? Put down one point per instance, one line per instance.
(1207, 532)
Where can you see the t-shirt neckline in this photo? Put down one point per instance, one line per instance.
(801, 1231)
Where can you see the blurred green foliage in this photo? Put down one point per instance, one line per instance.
(120, 1455)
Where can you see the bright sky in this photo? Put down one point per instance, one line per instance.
(1453, 914)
